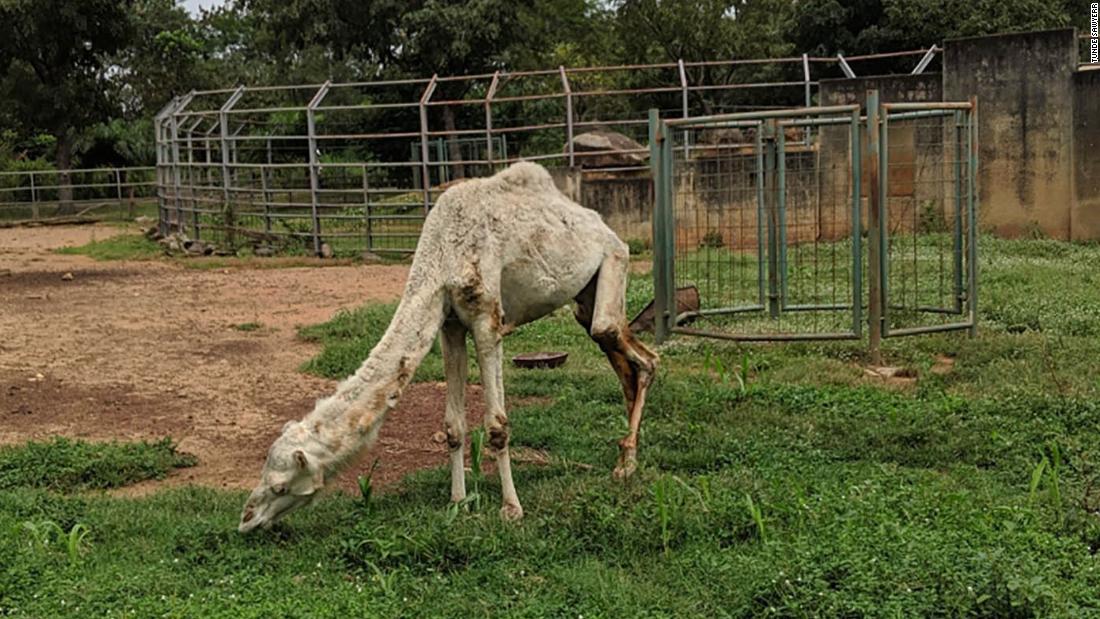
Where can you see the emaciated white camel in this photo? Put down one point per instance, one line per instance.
(494, 253)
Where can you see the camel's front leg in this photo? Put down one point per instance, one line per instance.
(455, 367)
(490, 355)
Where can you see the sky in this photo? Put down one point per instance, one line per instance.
(195, 5)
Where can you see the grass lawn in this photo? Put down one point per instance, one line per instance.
(775, 480)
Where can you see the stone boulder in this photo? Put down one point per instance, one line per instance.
(609, 149)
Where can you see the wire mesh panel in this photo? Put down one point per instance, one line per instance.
(761, 212)
(928, 220)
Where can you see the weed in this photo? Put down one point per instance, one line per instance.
(712, 239)
(47, 534)
(757, 517)
(248, 327)
(366, 488)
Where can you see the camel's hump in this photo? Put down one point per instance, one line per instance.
(526, 174)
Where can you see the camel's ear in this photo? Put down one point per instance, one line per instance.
(317, 473)
(287, 425)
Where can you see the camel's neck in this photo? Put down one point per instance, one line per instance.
(347, 422)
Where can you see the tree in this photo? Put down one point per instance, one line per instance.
(52, 59)
(164, 59)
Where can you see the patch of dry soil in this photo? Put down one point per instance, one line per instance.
(143, 350)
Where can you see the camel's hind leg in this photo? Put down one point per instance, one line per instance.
(601, 309)
(455, 367)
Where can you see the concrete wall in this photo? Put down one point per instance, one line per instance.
(1085, 218)
(919, 187)
(1024, 85)
(892, 89)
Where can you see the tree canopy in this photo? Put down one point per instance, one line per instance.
(82, 79)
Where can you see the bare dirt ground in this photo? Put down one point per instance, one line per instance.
(143, 350)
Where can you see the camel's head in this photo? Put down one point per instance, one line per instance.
(291, 478)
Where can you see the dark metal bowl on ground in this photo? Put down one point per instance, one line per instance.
(540, 359)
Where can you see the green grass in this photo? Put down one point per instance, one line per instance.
(64, 465)
(775, 480)
(120, 247)
(248, 327)
(137, 247)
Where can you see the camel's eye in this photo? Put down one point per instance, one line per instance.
(279, 489)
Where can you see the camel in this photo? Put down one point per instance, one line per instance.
(494, 253)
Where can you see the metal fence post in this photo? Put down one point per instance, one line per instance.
(874, 245)
(118, 192)
(223, 134)
(856, 227)
(660, 259)
(489, 118)
(366, 208)
(807, 95)
(314, 164)
(568, 92)
(961, 137)
(266, 197)
(972, 217)
(425, 173)
(684, 101)
(34, 199)
(176, 172)
(771, 196)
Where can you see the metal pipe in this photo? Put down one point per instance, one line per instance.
(223, 124)
(314, 165)
(855, 164)
(760, 115)
(972, 217)
(925, 61)
(875, 249)
(766, 337)
(425, 173)
(568, 91)
(489, 116)
(928, 329)
(848, 72)
(927, 105)
(660, 259)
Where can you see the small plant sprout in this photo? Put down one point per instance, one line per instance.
(757, 517)
(366, 488)
(472, 502)
(46, 534)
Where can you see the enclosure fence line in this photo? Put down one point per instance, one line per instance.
(36, 195)
(342, 167)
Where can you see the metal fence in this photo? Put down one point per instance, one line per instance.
(796, 224)
(100, 193)
(341, 168)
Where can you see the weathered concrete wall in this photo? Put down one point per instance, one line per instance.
(918, 185)
(625, 201)
(1085, 219)
(1024, 85)
(892, 89)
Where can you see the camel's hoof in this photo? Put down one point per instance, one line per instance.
(511, 513)
(624, 471)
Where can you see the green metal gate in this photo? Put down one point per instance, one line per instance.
(775, 218)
